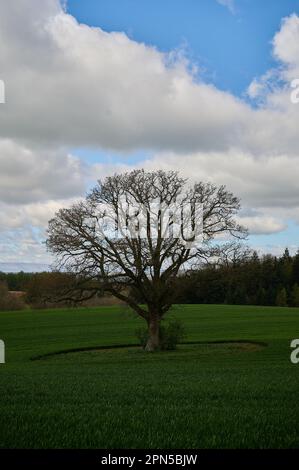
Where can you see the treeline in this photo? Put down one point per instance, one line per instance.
(11, 285)
(34, 290)
(46, 290)
(9, 301)
(16, 281)
(253, 280)
(266, 280)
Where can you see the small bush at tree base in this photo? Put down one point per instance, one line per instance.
(142, 336)
(171, 334)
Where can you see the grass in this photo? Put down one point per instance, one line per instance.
(226, 395)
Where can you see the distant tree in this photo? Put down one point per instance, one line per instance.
(282, 298)
(16, 281)
(286, 269)
(9, 301)
(270, 296)
(294, 298)
(296, 268)
(145, 267)
(239, 296)
(45, 290)
(261, 296)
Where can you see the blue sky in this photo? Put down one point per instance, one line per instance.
(231, 48)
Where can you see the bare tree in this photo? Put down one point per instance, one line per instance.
(128, 237)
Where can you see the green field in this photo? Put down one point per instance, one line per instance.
(204, 395)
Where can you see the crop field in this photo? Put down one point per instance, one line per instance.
(76, 379)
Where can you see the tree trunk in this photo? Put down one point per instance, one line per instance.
(153, 343)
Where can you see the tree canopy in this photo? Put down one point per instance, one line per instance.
(136, 231)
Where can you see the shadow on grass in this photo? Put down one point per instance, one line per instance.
(245, 345)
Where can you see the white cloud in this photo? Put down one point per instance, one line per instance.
(70, 85)
(269, 182)
(22, 245)
(104, 89)
(37, 214)
(28, 175)
(23, 230)
(80, 86)
(230, 4)
(262, 225)
(286, 44)
(268, 187)
(275, 84)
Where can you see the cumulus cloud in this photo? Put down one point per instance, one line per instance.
(28, 175)
(37, 214)
(268, 187)
(286, 44)
(262, 225)
(70, 85)
(269, 182)
(76, 85)
(23, 230)
(81, 86)
(23, 245)
(275, 84)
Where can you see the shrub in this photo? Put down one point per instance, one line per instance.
(142, 336)
(171, 334)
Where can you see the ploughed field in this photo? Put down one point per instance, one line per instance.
(75, 379)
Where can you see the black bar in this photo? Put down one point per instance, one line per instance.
(136, 459)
